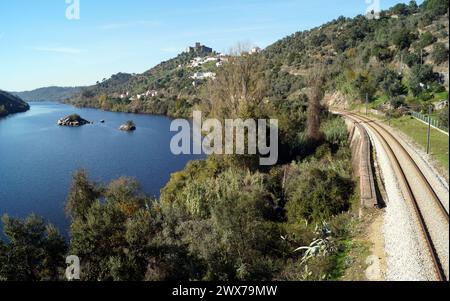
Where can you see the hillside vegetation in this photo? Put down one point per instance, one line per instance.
(400, 59)
(49, 94)
(227, 217)
(10, 104)
(166, 89)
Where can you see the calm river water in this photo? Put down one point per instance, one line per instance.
(38, 158)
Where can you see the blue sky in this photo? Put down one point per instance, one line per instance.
(40, 47)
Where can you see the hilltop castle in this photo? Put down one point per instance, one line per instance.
(199, 48)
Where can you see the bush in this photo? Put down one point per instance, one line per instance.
(420, 77)
(426, 39)
(400, 9)
(391, 83)
(317, 194)
(443, 117)
(397, 101)
(34, 251)
(336, 132)
(411, 59)
(439, 54)
(436, 7)
(402, 38)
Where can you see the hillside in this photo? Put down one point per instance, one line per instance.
(10, 104)
(48, 93)
(400, 59)
(168, 89)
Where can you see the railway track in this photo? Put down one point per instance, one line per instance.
(418, 191)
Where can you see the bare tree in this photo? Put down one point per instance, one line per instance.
(239, 88)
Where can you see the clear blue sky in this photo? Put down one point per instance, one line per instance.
(40, 47)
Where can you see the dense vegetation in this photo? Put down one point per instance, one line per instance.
(171, 79)
(214, 221)
(10, 104)
(49, 94)
(228, 218)
(224, 218)
(397, 60)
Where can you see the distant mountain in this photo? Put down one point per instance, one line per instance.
(10, 104)
(49, 93)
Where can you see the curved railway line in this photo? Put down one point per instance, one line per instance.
(413, 178)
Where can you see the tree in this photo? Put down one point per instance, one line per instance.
(402, 38)
(365, 86)
(411, 58)
(34, 251)
(413, 7)
(400, 9)
(391, 83)
(436, 7)
(82, 195)
(238, 92)
(234, 234)
(125, 193)
(383, 53)
(316, 82)
(426, 39)
(420, 78)
(239, 88)
(439, 54)
(397, 101)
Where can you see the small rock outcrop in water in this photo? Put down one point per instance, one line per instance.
(73, 121)
(128, 127)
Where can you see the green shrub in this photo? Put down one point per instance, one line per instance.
(397, 101)
(436, 7)
(402, 38)
(426, 39)
(443, 117)
(317, 195)
(420, 77)
(336, 132)
(440, 53)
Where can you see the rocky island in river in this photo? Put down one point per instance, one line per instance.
(129, 126)
(73, 120)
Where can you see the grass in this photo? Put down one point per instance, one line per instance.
(417, 131)
(349, 263)
(440, 96)
(378, 101)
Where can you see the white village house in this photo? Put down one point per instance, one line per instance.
(203, 75)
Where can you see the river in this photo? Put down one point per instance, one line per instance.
(38, 158)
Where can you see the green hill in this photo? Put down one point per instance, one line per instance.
(399, 59)
(166, 89)
(48, 93)
(10, 104)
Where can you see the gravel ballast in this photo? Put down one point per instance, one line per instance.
(407, 255)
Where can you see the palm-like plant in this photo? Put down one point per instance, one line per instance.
(323, 245)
